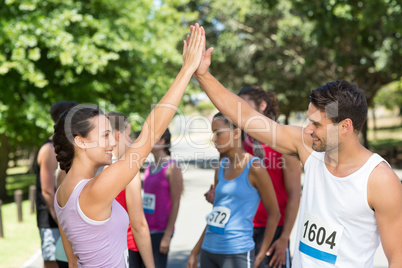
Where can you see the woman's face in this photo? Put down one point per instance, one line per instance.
(100, 142)
(159, 146)
(223, 136)
(252, 103)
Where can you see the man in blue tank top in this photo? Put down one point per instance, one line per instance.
(335, 203)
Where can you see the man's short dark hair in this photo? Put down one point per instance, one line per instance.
(341, 100)
(60, 107)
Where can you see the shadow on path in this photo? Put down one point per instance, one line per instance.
(178, 259)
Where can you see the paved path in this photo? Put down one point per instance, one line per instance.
(191, 219)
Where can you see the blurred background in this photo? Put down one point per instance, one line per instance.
(123, 55)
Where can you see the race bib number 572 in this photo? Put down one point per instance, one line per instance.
(217, 219)
(320, 239)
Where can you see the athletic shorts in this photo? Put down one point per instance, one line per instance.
(49, 237)
(242, 260)
(258, 236)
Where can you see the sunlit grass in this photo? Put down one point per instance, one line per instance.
(21, 240)
(19, 182)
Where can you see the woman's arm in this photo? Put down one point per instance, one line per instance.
(176, 188)
(260, 179)
(108, 184)
(291, 174)
(193, 259)
(139, 225)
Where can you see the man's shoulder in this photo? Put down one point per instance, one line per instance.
(46, 151)
(383, 172)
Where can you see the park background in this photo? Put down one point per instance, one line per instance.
(123, 54)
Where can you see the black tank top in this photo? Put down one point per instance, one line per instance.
(43, 217)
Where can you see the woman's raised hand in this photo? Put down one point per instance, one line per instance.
(193, 48)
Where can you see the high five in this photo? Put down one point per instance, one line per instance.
(351, 196)
(93, 225)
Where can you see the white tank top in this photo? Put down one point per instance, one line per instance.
(336, 226)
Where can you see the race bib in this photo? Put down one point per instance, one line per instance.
(148, 203)
(217, 219)
(126, 258)
(320, 239)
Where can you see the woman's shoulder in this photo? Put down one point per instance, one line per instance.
(251, 159)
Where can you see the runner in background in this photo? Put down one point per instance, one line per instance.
(351, 197)
(45, 190)
(163, 185)
(285, 172)
(240, 183)
(138, 237)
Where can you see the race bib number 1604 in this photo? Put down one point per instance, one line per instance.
(320, 239)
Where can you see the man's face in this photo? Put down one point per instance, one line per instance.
(324, 133)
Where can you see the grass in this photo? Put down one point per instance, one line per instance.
(384, 144)
(387, 142)
(21, 239)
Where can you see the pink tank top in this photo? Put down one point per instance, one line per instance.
(156, 201)
(95, 243)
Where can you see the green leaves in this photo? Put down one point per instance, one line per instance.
(119, 52)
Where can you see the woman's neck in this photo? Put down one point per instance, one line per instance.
(116, 154)
(160, 157)
(82, 169)
(236, 155)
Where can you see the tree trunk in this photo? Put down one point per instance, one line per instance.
(4, 152)
(374, 123)
(364, 140)
(287, 114)
(33, 160)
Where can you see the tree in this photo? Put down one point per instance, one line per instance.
(293, 47)
(360, 40)
(99, 51)
(261, 43)
(390, 96)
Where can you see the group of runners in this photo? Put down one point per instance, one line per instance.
(351, 197)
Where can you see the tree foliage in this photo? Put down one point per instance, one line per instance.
(293, 47)
(390, 96)
(121, 54)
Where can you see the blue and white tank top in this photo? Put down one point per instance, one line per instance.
(230, 224)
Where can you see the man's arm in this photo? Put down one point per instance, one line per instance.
(284, 139)
(384, 194)
(48, 166)
(291, 174)
(260, 179)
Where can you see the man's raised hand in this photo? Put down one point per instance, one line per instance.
(193, 48)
